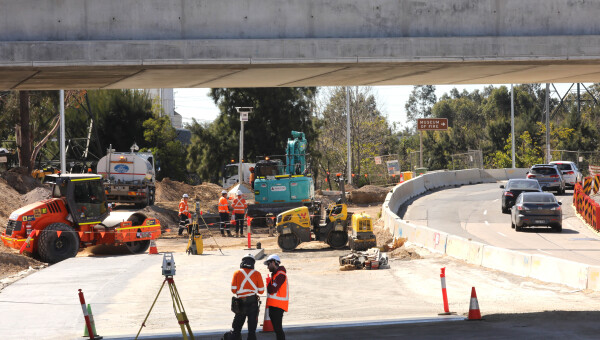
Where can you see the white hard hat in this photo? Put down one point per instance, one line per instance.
(239, 193)
(185, 196)
(248, 256)
(224, 192)
(273, 257)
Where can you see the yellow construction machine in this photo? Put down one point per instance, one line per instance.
(363, 237)
(294, 227)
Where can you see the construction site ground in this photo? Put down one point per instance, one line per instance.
(43, 303)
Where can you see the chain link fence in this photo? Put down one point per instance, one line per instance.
(376, 170)
(583, 159)
(472, 159)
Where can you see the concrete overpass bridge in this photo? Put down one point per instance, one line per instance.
(74, 44)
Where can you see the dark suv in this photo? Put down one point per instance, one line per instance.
(548, 176)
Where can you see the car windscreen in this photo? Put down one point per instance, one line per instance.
(544, 171)
(523, 185)
(539, 198)
(563, 166)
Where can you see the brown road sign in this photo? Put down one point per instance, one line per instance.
(432, 124)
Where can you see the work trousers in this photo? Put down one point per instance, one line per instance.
(249, 310)
(276, 316)
(239, 223)
(224, 223)
(183, 220)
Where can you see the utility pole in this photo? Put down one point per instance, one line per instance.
(349, 174)
(63, 156)
(547, 122)
(243, 111)
(512, 123)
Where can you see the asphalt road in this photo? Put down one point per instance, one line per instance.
(474, 211)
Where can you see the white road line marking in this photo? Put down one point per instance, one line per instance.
(501, 234)
(496, 200)
(544, 251)
(486, 223)
(485, 212)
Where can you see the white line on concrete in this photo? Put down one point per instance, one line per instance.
(544, 251)
(496, 200)
(487, 223)
(501, 234)
(485, 212)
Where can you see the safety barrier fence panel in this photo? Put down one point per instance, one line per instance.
(536, 266)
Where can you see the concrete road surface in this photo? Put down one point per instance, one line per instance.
(474, 211)
(121, 289)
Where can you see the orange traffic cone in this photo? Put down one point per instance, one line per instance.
(474, 313)
(267, 324)
(153, 249)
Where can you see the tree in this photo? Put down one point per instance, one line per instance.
(276, 112)
(168, 152)
(420, 102)
(370, 133)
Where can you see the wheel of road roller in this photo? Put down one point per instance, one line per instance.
(53, 248)
(337, 239)
(138, 247)
(287, 242)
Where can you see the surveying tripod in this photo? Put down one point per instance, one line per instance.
(182, 319)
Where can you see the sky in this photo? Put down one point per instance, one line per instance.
(195, 103)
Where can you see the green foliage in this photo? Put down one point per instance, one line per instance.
(276, 112)
(420, 102)
(168, 152)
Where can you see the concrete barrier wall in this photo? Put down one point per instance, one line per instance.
(540, 267)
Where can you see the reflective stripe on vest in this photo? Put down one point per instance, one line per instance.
(183, 208)
(239, 206)
(223, 205)
(242, 292)
(281, 298)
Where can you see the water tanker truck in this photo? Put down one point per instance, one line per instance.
(129, 177)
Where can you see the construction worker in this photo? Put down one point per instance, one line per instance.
(252, 177)
(184, 214)
(224, 213)
(239, 212)
(247, 285)
(278, 294)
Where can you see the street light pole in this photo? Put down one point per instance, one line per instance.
(349, 175)
(244, 112)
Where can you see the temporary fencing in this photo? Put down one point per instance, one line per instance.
(586, 206)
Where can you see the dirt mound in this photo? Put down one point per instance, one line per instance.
(368, 194)
(11, 262)
(168, 218)
(36, 195)
(405, 254)
(383, 236)
(168, 190)
(20, 180)
(10, 200)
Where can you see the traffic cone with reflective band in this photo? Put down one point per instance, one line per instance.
(474, 313)
(85, 330)
(267, 324)
(153, 249)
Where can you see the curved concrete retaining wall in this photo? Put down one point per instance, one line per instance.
(541, 267)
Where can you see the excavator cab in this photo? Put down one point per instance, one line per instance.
(85, 196)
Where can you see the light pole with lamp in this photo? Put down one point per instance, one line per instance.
(244, 112)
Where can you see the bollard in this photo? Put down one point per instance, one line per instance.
(444, 294)
(86, 316)
(249, 241)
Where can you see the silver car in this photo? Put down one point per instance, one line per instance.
(570, 172)
(549, 177)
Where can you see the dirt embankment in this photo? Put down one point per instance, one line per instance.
(368, 194)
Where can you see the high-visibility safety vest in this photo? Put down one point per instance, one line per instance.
(183, 208)
(239, 206)
(282, 297)
(247, 282)
(223, 205)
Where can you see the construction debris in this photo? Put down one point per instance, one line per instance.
(370, 259)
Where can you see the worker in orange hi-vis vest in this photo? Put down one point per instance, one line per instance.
(224, 213)
(278, 294)
(247, 285)
(239, 212)
(184, 214)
